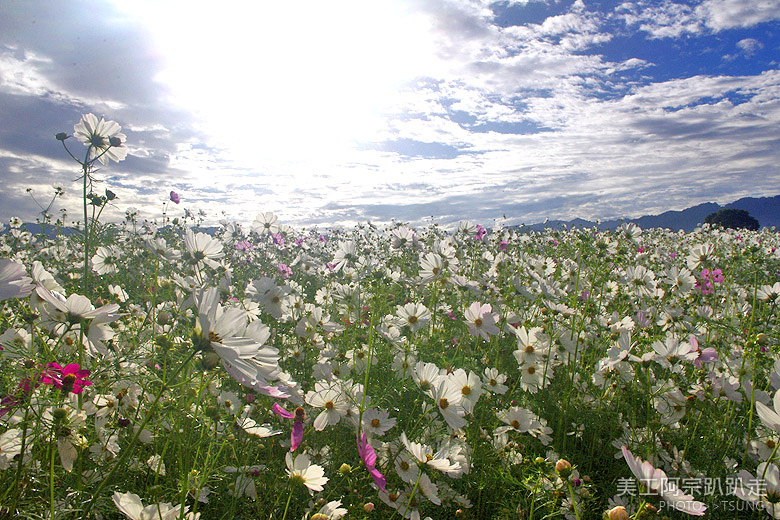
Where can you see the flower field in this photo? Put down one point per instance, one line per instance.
(151, 370)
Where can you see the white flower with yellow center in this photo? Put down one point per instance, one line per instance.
(302, 470)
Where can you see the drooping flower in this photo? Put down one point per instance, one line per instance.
(657, 483)
(104, 138)
(762, 490)
(240, 346)
(296, 435)
(368, 456)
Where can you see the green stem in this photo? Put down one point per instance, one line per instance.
(287, 505)
(120, 462)
(53, 451)
(573, 501)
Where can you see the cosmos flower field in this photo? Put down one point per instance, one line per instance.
(151, 370)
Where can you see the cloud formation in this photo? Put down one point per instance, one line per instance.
(409, 110)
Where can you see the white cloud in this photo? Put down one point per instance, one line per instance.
(665, 19)
(669, 19)
(728, 14)
(749, 46)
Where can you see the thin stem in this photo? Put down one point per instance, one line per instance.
(120, 462)
(287, 505)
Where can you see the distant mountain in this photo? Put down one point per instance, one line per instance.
(764, 209)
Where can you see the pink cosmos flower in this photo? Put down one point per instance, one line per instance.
(284, 270)
(70, 378)
(657, 483)
(708, 355)
(368, 456)
(175, 197)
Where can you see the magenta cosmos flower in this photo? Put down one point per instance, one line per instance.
(296, 436)
(175, 197)
(70, 378)
(368, 455)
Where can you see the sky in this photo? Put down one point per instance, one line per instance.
(333, 113)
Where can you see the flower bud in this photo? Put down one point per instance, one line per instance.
(114, 141)
(210, 360)
(368, 507)
(345, 468)
(59, 414)
(61, 136)
(563, 468)
(319, 516)
(616, 513)
(762, 338)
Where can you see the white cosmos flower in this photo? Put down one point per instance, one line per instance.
(449, 401)
(302, 470)
(332, 510)
(769, 416)
(203, 249)
(494, 381)
(131, 506)
(763, 490)
(413, 315)
(332, 401)
(426, 376)
(425, 455)
(14, 282)
(481, 321)
(98, 135)
(377, 422)
(240, 345)
(105, 259)
(266, 223)
(470, 387)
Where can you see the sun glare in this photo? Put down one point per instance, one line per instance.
(288, 82)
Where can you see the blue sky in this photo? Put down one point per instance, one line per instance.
(332, 113)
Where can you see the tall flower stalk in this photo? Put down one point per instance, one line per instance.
(104, 142)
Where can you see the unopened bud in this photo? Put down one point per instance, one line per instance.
(115, 141)
(319, 516)
(762, 338)
(345, 468)
(61, 136)
(210, 360)
(563, 468)
(368, 507)
(616, 513)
